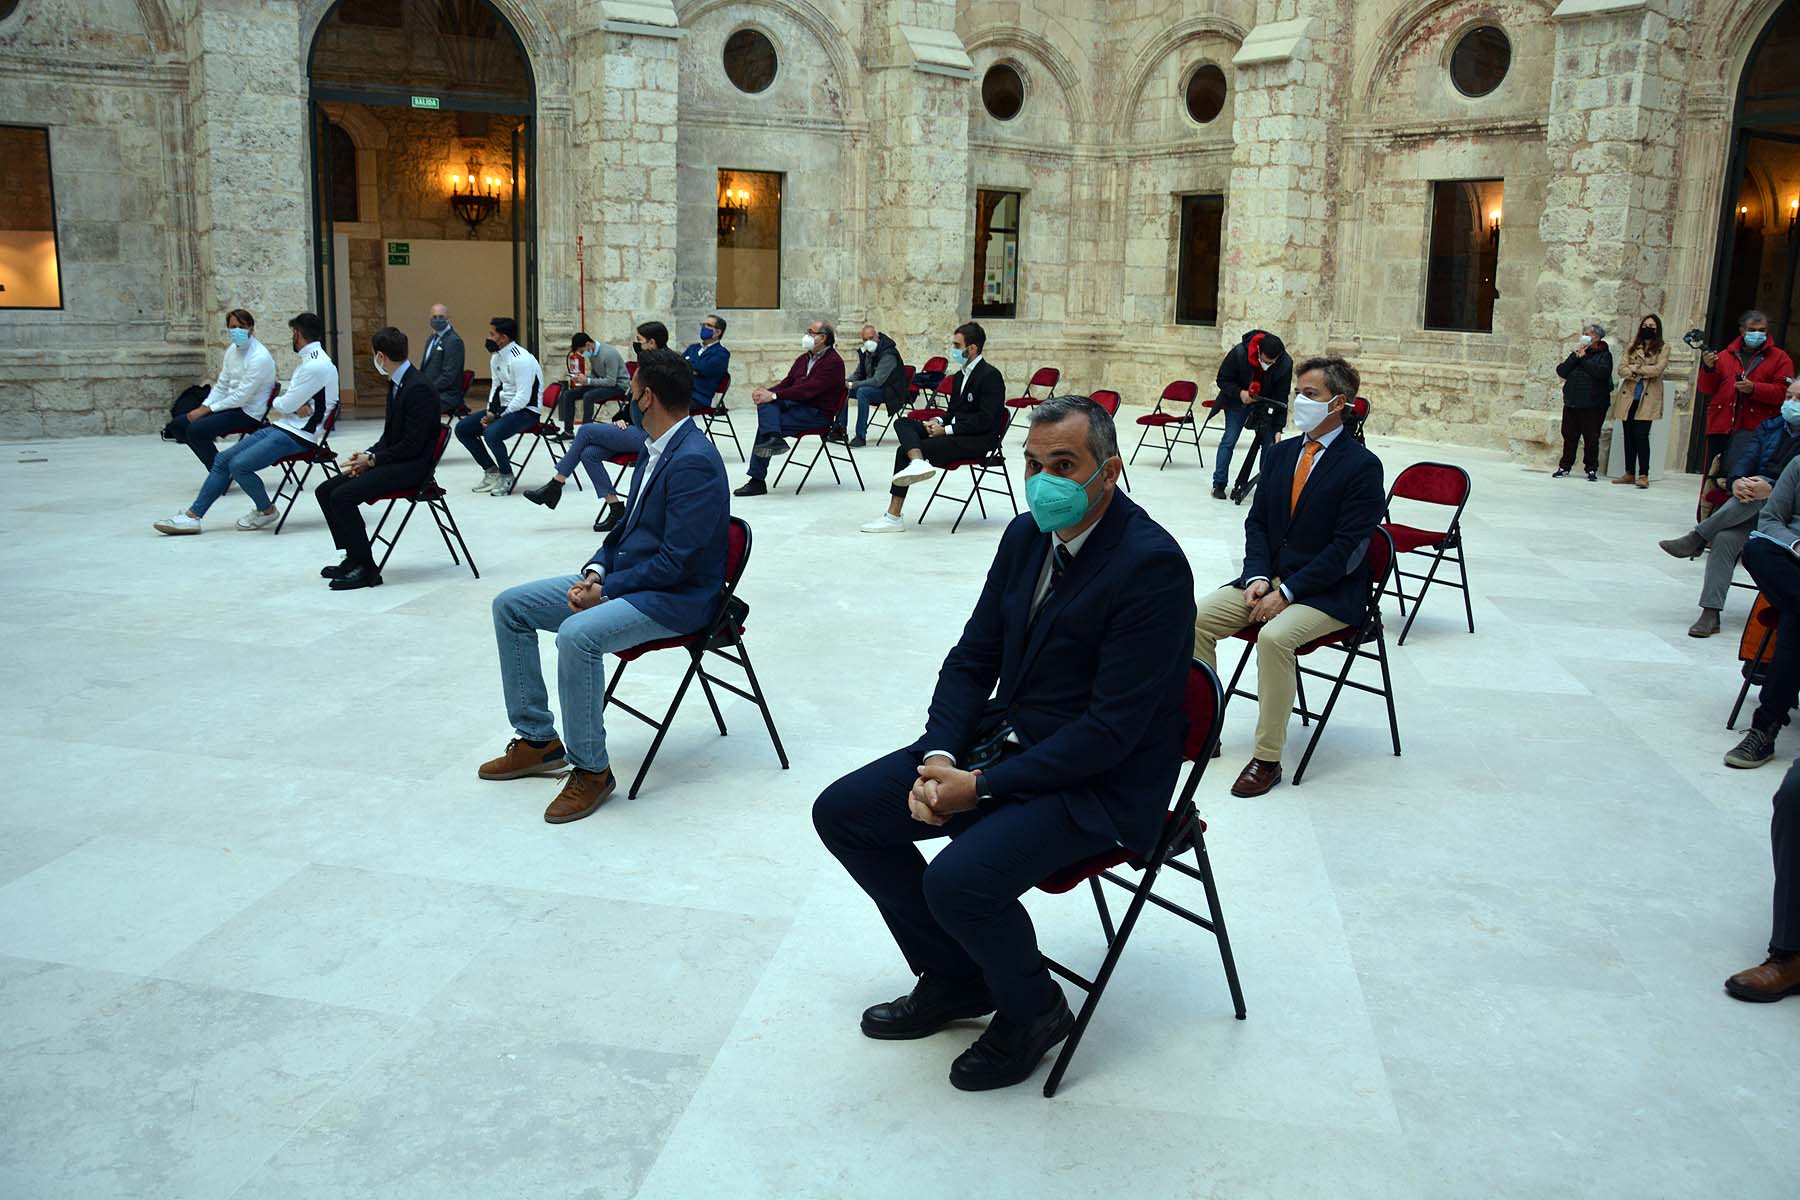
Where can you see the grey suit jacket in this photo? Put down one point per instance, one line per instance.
(442, 368)
(1777, 521)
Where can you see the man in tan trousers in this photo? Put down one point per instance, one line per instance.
(1306, 543)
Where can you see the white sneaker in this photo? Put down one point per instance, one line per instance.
(917, 471)
(885, 523)
(257, 519)
(488, 480)
(179, 523)
(503, 485)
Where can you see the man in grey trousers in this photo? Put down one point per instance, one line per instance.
(1754, 463)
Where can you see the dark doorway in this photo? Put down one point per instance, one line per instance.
(444, 89)
(1758, 259)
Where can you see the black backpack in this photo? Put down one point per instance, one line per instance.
(190, 399)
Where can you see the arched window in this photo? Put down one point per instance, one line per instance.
(343, 174)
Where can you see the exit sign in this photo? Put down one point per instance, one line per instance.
(399, 254)
(424, 101)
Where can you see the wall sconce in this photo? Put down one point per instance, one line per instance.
(1793, 215)
(1494, 227)
(474, 197)
(1742, 216)
(734, 205)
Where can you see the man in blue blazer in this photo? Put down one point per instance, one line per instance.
(1306, 545)
(658, 575)
(1054, 733)
(709, 359)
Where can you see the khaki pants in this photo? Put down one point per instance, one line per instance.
(1222, 614)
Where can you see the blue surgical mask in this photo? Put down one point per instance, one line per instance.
(439, 324)
(1790, 411)
(959, 359)
(707, 334)
(1755, 339)
(1057, 502)
(239, 337)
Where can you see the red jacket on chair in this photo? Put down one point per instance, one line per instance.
(822, 387)
(1729, 411)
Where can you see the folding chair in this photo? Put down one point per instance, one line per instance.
(979, 470)
(1430, 483)
(433, 497)
(1044, 377)
(297, 468)
(927, 377)
(715, 412)
(462, 405)
(1109, 400)
(1183, 830)
(830, 449)
(723, 636)
(1179, 395)
(545, 432)
(883, 416)
(1764, 617)
(1350, 642)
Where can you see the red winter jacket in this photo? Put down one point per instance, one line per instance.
(1729, 410)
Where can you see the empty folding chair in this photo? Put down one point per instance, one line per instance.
(1440, 484)
(1109, 400)
(1183, 830)
(1045, 378)
(715, 413)
(1175, 423)
(882, 417)
(433, 497)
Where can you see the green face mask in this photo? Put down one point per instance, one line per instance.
(1057, 502)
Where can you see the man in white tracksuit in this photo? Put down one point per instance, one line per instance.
(515, 404)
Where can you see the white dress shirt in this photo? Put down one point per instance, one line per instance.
(246, 377)
(653, 452)
(314, 382)
(1324, 441)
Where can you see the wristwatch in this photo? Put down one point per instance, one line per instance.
(984, 791)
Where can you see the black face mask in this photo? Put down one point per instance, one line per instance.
(492, 346)
(637, 349)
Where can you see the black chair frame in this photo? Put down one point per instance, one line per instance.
(436, 499)
(993, 461)
(293, 481)
(1171, 440)
(1753, 671)
(1183, 830)
(828, 447)
(724, 639)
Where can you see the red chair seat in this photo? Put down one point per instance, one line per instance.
(686, 639)
(1249, 634)
(925, 414)
(624, 460)
(1077, 873)
(1022, 402)
(1166, 419)
(1406, 537)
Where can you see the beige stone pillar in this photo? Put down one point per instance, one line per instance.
(1609, 212)
(247, 123)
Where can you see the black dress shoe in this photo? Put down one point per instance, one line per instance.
(1009, 1051)
(549, 495)
(336, 572)
(609, 516)
(755, 487)
(362, 575)
(1218, 491)
(932, 1004)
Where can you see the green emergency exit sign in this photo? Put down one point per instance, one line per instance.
(399, 254)
(424, 101)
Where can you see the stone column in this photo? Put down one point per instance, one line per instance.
(1291, 70)
(916, 260)
(247, 125)
(622, 159)
(1615, 100)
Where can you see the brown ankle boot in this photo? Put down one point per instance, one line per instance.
(522, 759)
(582, 793)
(1771, 981)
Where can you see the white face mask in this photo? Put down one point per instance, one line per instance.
(1309, 413)
(869, 347)
(808, 342)
(379, 369)
(1587, 339)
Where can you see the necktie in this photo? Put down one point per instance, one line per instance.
(1060, 561)
(1301, 470)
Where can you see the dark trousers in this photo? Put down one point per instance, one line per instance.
(1784, 841)
(1637, 446)
(590, 397)
(200, 435)
(501, 430)
(1777, 572)
(960, 916)
(341, 497)
(1583, 424)
(935, 450)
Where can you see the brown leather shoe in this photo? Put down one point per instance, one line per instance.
(1770, 982)
(582, 793)
(1626, 479)
(1257, 778)
(522, 759)
(1643, 481)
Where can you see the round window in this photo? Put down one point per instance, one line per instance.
(749, 61)
(1002, 92)
(7, 8)
(1480, 61)
(1206, 94)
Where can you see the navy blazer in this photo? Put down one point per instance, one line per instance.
(708, 369)
(667, 555)
(1319, 551)
(1093, 688)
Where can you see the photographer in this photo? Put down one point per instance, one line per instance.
(1744, 383)
(1254, 381)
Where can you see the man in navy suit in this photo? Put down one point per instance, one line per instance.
(658, 575)
(1054, 733)
(710, 360)
(442, 364)
(1306, 545)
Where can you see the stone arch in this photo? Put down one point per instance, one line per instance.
(1149, 57)
(1045, 54)
(1398, 31)
(159, 26)
(844, 63)
(545, 54)
(369, 136)
(1734, 41)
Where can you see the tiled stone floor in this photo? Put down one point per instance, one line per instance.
(264, 934)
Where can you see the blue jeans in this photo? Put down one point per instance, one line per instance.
(241, 461)
(200, 435)
(500, 430)
(866, 398)
(583, 640)
(778, 418)
(594, 443)
(1235, 415)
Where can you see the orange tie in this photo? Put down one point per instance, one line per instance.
(1301, 470)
